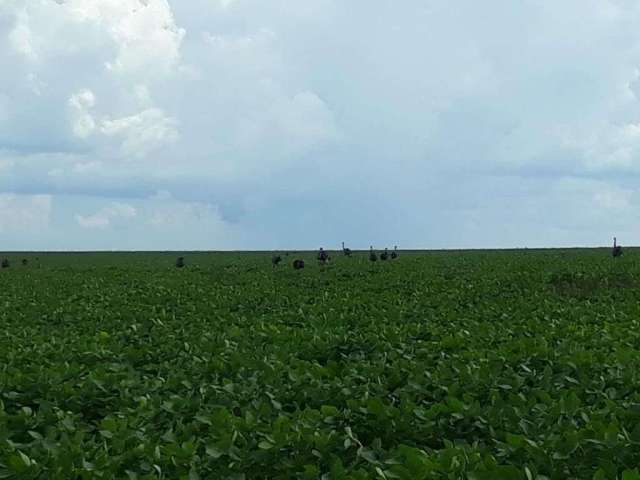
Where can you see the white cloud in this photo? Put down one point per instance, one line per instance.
(24, 212)
(282, 118)
(21, 37)
(83, 100)
(105, 217)
(603, 146)
(142, 132)
(146, 35)
(143, 34)
(84, 125)
(81, 104)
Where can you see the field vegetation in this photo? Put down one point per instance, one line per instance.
(480, 365)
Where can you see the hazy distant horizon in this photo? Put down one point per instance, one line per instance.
(313, 250)
(240, 124)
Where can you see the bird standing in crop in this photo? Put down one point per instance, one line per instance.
(323, 256)
(617, 249)
(384, 255)
(373, 257)
(298, 264)
(275, 260)
(180, 262)
(346, 251)
(394, 254)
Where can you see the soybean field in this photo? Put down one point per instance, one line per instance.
(479, 365)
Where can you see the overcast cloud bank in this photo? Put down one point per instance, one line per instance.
(245, 124)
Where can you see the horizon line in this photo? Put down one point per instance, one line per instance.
(461, 249)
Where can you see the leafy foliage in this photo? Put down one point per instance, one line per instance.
(460, 365)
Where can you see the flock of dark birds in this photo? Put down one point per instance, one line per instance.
(6, 264)
(324, 258)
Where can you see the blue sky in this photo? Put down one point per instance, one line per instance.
(282, 124)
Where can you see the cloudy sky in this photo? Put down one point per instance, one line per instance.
(281, 124)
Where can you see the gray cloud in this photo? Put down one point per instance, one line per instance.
(295, 124)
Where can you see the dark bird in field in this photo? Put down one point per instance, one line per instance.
(275, 260)
(617, 249)
(25, 262)
(323, 256)
(384, 255)
(394, 254)
(298, 264)
(5, 263)
(180, 262)
(373, 257)
(346, 251)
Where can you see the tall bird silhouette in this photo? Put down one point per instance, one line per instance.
(373, 257)
(394, 254)
(384, 255)
(346, 251)
(275, 260)
(617, 249)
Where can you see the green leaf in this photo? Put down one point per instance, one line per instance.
(631, 474)
(515, 440)
(311, 471)
(19, 462)
(600, 475)
(68, 423)
(368, 455)
(214, 451)
(329, 411)
(499, 472)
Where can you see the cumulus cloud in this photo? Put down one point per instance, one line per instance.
(142, 33)
(139, 133)
(143, 132)
(21, 38)
(106, 216)
(81, 104)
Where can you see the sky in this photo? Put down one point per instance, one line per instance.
(295, 124)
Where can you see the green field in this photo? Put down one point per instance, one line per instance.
(493, 365)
